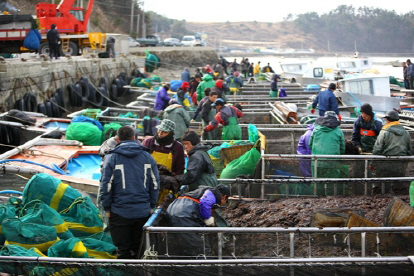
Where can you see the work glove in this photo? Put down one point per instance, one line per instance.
(360, 150)
(192, 121)
(339, 118)
(209, 222)
(313, 110)
(206, 129)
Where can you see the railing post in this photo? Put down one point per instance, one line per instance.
(292, 244)
(262, 194)
(147, 240)
(363, 240)
(315, 169)
(366, 176)
(220, 245)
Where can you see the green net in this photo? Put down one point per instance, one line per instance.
(109, 130)
(411, 191)
(38, 212)
(151, 62)
(6, 212)
(242, 165)
(71, 248)
(135, 81)
(82, 218)
(86, 133)
(253, 133)
(28, 235)
(147, 83)
(156, 78)
(99, 249)
(49, 190)
(15, 250)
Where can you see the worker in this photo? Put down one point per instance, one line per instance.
(326, 101)
(256, 70)
(128, 192)
(327, 139)
(200, 169)
(53, 38)
(207, 82)
(200, 104)
(195, 209)
(267, 69)
(305, 149)
(227, 116)
(393, 140)
(219, 88)
(274, 91)
(165, 149)
(185, 75)
(162, 98)
(177, 113)
(149, 122)
(207, 115)
(235, 83)
(366, 129)
(110, 46)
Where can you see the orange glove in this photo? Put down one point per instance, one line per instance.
(312, 110)
(339, 118)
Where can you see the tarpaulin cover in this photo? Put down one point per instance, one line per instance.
(84, 119)
(49, 190)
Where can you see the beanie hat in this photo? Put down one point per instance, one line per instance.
(236, 74)
(332, 86)
(219, 84)
(192, 137)
(223, 189)
(185, 86)
(367, 109)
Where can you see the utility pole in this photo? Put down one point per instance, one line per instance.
(132, 16)
(144, 26)
(138, 25)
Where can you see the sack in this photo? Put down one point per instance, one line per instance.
(82, 218)
(6, 212)
(146, 83)
(15, 250)
(49, 190)
(31, 41)
(99, 249)
(18, 116)
(38, 212)
(72, 248)
(109, 131)
(156, 78)
(28, 235)
(245, 164)
(253, 133)
(86, 133)
(151, 62)
(135, 81)
(175, 84)
(88, 119)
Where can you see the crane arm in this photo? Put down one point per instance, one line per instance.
(64, 7)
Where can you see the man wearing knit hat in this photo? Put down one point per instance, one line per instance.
(326, 101)
(366, 129)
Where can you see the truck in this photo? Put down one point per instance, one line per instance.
(71, 22)
(150, 40)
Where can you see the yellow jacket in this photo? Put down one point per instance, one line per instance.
(256, 69)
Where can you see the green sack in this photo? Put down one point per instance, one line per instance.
(28, 235)
(51, 191)
(156, 78)
(87, 133)
(22, 268)
(215, 152)
(109, 130)
(245, 164)
(151, 62)
(82, 218)
(253, 133)
(273, 94)
(147, 83)
(6, 212)
(99, 249)
(71, 248)
(135, 81)
(38, 212)
(100, 236)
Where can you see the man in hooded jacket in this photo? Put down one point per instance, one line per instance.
(185, 75)
(53, 38)
(128, 191)
(162, 98)
(326, 101)
(207, 82)
(327, 139)
(305, 149)
(180, 116)
(366, 129)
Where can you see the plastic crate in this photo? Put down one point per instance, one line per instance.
(229, 154)
(218, 165)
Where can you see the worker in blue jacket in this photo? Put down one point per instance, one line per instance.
(326, 101)
(128, 191)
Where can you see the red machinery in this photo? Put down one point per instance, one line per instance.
(68, 19)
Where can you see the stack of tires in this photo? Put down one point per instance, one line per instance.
(85, 92)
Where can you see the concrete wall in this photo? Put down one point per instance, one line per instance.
(42, 78)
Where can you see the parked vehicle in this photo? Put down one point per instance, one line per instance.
(133, 42)
(190, 40)
(172, 42)
(150, 40)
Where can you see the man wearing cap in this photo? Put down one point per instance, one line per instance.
(195, 209)
(327, 139)
(227, 116)
(165, 149)
(177, 113)
(162, 98)
(366, 129)
(326, 101)
(410, 73)
(207, 115)
(393, 140)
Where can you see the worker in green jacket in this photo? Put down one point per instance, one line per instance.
(207, 82)
(327, 139)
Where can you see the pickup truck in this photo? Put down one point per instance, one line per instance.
(150, 40)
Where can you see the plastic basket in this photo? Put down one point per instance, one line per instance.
(91, 113)
(218, 165)
(234, 152)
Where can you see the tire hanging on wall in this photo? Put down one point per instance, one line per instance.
(41, 108)
(30, 102)
(49, 111)
(113, 93)
(61, 101)
(19, 104)
(13, 136)
(120, 87)
(84, 90)
(104, 95)
(55, 107)
(105, 83)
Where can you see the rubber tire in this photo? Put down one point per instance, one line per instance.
(96, 99)
(120, 87)
(19, 104)
(73, 50)
(41, 108)
(30, 102)
(4, 139)
(44, 49)
(128, 91)
(13, 136)
(79, 98)
(114, 92)
(104, 95)
(84, 90)
(61, 101)
(104, 83)
(58, 102)
(49, 111)
(55, 107)
(123, 76)
(72, 95)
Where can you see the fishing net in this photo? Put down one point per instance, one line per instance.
(86, 133)
(71, 248)
(109, 130)
(245, 164)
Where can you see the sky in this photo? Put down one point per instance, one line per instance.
(261, 11)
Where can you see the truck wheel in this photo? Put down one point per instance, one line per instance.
(73, 50)
(143, 45)
(44, 49)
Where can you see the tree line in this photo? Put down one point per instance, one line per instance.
(366, 29)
